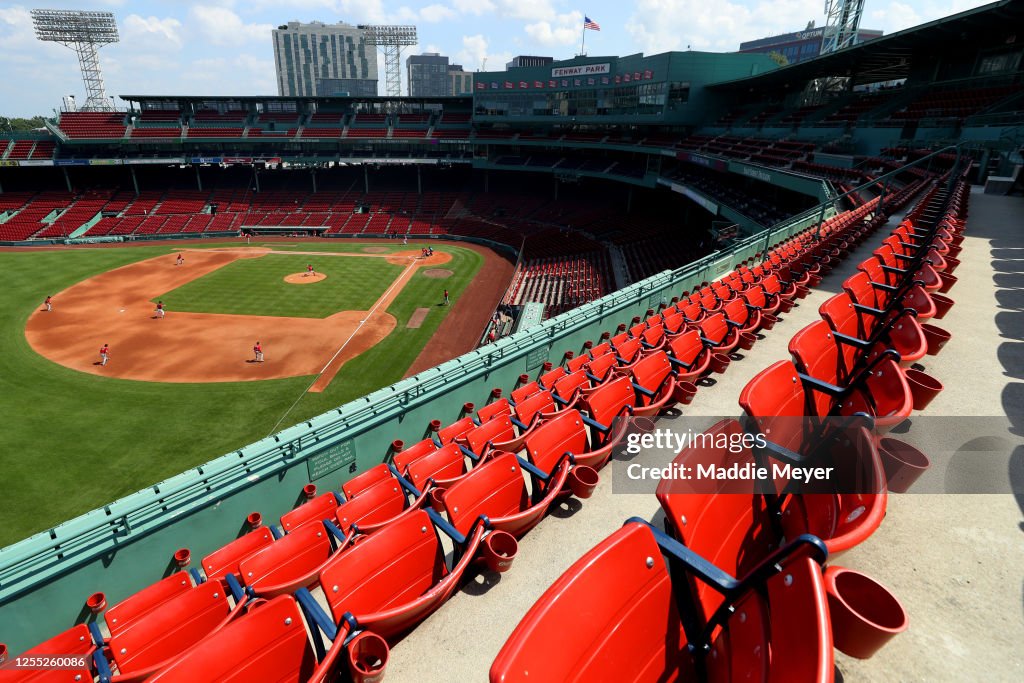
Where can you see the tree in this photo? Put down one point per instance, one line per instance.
(19, 125)
(779, 58)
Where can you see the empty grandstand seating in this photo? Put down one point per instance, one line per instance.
(83, 124)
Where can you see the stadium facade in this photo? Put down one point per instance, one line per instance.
(799, 46)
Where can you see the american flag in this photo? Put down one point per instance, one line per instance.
(591, 24)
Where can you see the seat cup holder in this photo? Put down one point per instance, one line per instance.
(923, 387)
(254, 520)
(97, 602)
(936, 337)
(951, 264)
(684, 392)
(747, 340)
(768, 321)
(865, 615)
(368, 656)
(942, 304)
(437, 499)
(583, 479)
(499, 549)
(947, 282)
(719, 362)
(802, 291)
(903, 464)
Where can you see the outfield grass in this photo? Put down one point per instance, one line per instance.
(72, 441)
(256, 286)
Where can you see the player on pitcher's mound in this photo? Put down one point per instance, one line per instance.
(310, 271)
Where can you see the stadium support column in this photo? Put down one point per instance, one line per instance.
(135, 180)
(629, 200)
(366, 178)
(199, 181)
(312, 174)
(256, 178)
(487, 180)
(419, 181)
(67, 178)
(556, 188)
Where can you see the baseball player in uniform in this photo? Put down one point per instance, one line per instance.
(104, 354)
(159, 309)
(48, 303)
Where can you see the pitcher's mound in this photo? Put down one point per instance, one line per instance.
(303, 278)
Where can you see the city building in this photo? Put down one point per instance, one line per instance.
(427, 75)
(799, 46)
(324, 59)
(526, 60)
(460, 81)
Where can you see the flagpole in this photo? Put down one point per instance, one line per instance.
(584, 41)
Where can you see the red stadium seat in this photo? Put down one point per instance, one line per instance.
(689, 357)
(776, 629)
(124, 614)
(226, 559)
(269, 644)
(497, 489)
(289, 563)
(395, 578)
(76, 641)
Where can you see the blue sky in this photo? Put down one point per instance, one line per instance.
(223, 47)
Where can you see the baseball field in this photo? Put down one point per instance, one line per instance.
(184, 388)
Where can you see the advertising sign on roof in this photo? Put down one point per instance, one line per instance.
(581, 70)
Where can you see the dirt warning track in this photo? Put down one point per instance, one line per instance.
(115, 308)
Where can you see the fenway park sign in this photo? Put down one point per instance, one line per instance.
(582, 70)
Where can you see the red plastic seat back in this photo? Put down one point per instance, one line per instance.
(173, 628)
(268, 644)
(403, 459)
(601, 366)
(858, 286)
(714, 328)
(525, 391)
(602, 349)
(651, 371)
(755, 296)
(361, 482)
(631, 631)
(816, 353)
(313, 511)
(577, 363)
(455, 430)
(687, 346)
(495, 488)
(692, 312)
(445, 463)
(565, 433)
(377, 504)
(494, 409)
(842, 317)
(737, 311)
(773, 397)
(548, 379)
(541, 402)
(385, 570)
(653, 335)
(673, 322)
(567, 387)
(225, 560)
(628, 350)
(291, 558)
(121, 616)
(497, 430)
(611, 400)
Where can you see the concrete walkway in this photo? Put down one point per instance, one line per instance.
(955, 562)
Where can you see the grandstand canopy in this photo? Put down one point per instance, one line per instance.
(893, 57)
(332, 102)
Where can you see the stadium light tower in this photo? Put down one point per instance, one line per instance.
(842, 22)
(391, 40)
(84, 32)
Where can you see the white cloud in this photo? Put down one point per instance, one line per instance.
(437, 13)
(152, 30)
(529, 10)
(474, 7)
(565, 30)
(223, 27)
